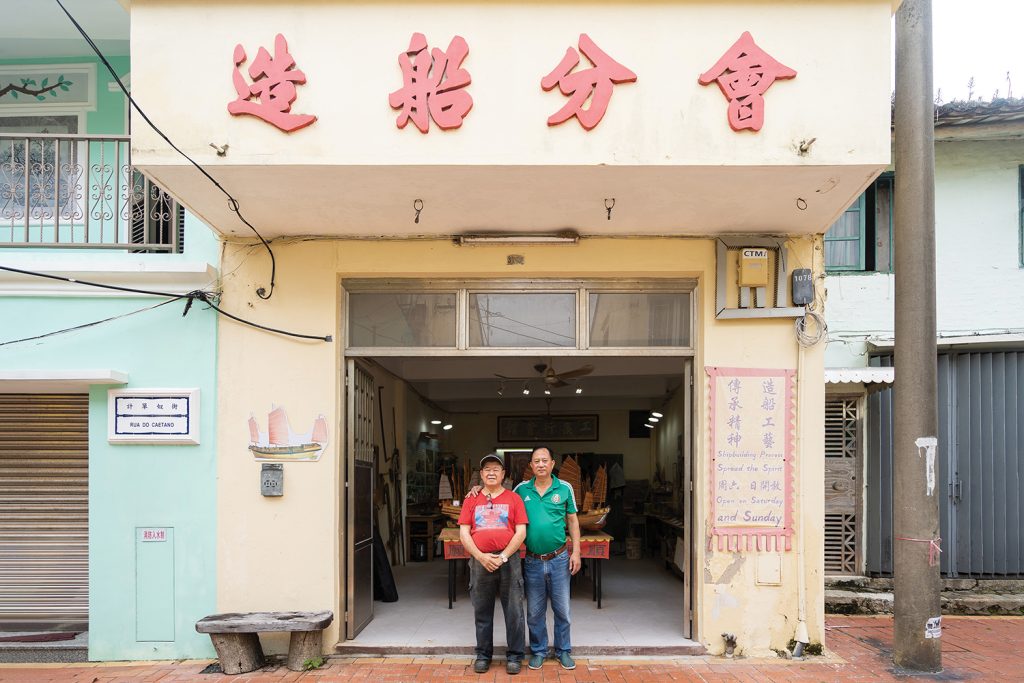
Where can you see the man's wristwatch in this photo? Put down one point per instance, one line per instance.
(503, 558)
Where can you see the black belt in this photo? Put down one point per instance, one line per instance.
(548, 556)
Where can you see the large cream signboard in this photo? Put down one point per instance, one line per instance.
(752, 414)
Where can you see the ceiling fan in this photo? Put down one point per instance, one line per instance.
(551, 378)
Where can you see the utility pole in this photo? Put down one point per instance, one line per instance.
(915, 489)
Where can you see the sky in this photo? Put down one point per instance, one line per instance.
(979, 38)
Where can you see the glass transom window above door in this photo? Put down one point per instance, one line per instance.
(518, 320)
(639, 319)
(485, 317)
(401, 319)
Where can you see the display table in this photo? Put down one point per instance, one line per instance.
(594, 546)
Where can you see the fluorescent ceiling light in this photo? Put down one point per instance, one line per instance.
(446, 427)
(648, 425)
(653, 419)
(435, 422)
(655, 413)
(524, 238)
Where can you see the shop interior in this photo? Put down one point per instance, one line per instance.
(624, 423)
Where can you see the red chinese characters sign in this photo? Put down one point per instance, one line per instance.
(434, 85)
(594, 83)
(744, 73)
(272, 91)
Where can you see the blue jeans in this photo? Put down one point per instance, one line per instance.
(547, 580)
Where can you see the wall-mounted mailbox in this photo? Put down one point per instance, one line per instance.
(272, 479)
(753, 267)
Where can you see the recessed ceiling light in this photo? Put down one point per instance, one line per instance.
(446, 427)
(648, 425)
(653, 419)
(435, 422)
(526, 389)
(547, 392)
(655, 413)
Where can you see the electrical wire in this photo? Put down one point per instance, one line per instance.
(810, 336)
(515, 332)
(232, 202)
(92, 324)
(195, 295)
(116, 288)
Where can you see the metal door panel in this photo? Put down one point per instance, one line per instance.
(981, 434)
(688, 583)
(946, 461)
(358, 468)
(879, 478)
(1015, 464)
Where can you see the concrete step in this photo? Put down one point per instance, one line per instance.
(968, 603)
(353, 649)
(884, 584)
(49, 652)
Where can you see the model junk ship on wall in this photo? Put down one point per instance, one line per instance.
(593, 513)
(279, 443)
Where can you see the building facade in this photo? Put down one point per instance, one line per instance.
(979, 274)
(598, 220)
(101, 531)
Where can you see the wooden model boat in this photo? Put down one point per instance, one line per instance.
(593, 520)
(450, 510)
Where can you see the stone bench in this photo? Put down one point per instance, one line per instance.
(236, 640)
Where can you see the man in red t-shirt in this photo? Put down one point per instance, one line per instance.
(492, 526)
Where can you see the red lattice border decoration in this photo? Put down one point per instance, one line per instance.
(753, 537)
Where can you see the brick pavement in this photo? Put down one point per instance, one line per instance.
(974, 648)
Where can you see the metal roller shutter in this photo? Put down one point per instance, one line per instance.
(981, 466)
(44, 511)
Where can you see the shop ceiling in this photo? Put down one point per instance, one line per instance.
(469, 385)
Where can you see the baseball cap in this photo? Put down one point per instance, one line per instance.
(491, 457)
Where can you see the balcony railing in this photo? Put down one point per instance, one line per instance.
(81, 191)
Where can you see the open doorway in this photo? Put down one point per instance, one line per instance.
(628, 418)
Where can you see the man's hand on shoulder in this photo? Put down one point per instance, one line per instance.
(473, 492)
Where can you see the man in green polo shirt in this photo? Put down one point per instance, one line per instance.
(551, 507)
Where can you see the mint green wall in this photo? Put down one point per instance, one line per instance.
(108, 118)
(172, 584)
(135, 486)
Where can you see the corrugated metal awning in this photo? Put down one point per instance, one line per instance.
(859, 375)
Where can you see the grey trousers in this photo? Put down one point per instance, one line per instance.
(506, 584)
